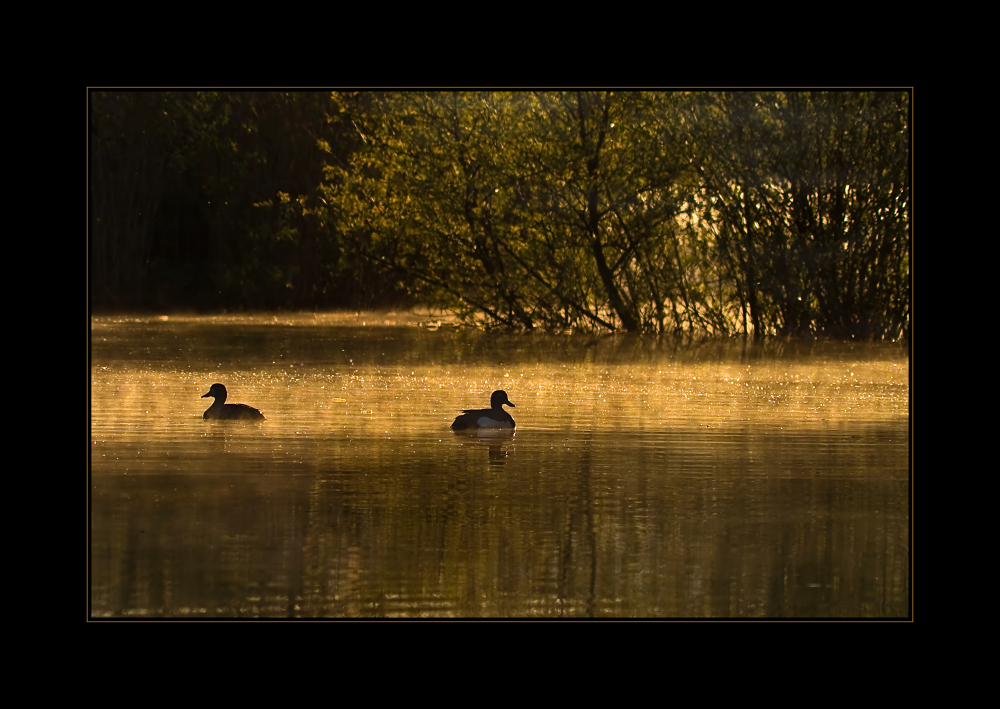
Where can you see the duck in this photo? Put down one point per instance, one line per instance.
(493, 417)
(221, 410)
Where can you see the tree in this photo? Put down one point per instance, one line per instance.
(810, 196)
(520, 209)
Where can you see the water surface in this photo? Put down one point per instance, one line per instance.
(646, 478)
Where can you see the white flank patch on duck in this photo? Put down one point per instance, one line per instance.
(487, 422)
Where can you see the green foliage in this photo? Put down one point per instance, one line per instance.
(809, 195)
(639, 211)
(520, 210)
(722, 212)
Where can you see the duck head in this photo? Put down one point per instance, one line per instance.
(497, 401)
(218, 391)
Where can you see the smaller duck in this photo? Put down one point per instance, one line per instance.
(493, 417)
(221, 410)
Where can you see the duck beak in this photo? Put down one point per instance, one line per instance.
(206, 395)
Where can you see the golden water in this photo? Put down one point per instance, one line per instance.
(646, 478)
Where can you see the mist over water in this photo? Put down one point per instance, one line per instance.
(646, 478)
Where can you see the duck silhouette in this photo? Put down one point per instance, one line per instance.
(493, 417)
(230, 412)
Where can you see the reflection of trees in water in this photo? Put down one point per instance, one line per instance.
(414, 347)
(599, 527)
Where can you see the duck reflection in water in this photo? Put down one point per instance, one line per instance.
(498, 451)
(497, 440)
(230, 412)
(492, 418)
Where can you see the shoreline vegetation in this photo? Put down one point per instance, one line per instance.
(703, 213)
(685, 344)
